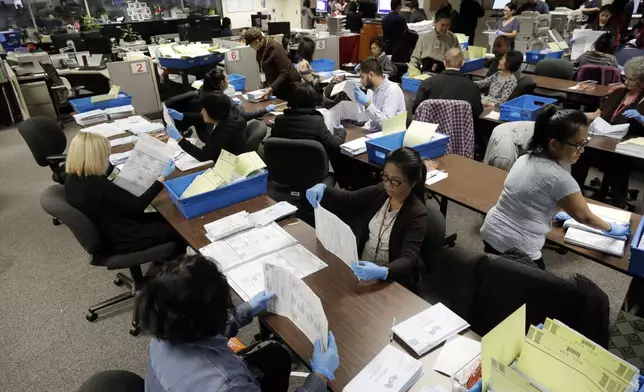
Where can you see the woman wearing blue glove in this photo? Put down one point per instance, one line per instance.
(537, 187)
(388, 219)
(227, 134)
(187, 310)
(118, 215)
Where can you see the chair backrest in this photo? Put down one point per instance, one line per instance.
(298, 164)
(555, 68)
(54, 202)
(626, 54)
(44, 137)
(434, 240)
(600, 73)
(525, 85)
(454, 118)
(255, 133)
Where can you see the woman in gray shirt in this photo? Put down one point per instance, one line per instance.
(537, 187)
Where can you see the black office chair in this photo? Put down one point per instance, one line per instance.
(47, 142)
(554, 68)
(54, 202)
(255, 133)
(525, 85)
(433, 244)
(113, 381)
(289, 181)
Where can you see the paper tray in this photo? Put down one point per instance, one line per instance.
(204, 203)
(379, 148)
(636, 264)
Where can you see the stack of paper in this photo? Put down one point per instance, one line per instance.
(105, 129)
(429, 328)
(591, 238)
(392, 370)
(272, 213)
(122, 140)
(601, 127)
(456, 353)
(228, 226)
(296, 301)
(433, 176)
(355, 147)
(91, 117)
(119, 158)
(120, 112)
(335, 235)
(633, 147)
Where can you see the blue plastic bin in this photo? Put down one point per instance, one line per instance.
(534, 56)
(410, 84)
(525, 108)
(204, 203)
(464, 45)
(212, 58)
(379, 148)
(169, 62)
(636, 264)
(82, 105)
(238, 81)
(473, 65)
(10, 40)
(323, 65)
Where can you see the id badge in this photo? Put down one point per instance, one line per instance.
(262, 77)
(437, 44)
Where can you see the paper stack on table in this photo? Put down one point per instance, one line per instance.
(595, 239)
(120, 112)
(122, 140)
(429, 328)
(633, 147)
(91, 117)
(433, 176)
(119, 158)
(392, 370)
(335, 235)
(601, 127)
(272, 213)
(130, 122)
(355, 147)
(228, 226)
(456, 353)
(105, 129)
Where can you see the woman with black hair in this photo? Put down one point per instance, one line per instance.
(354, 18)
(225, 27)
(501, 85)
(389, 219)
(601, 54)
(537, 187)
(305, 51)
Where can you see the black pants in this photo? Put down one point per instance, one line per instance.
(112, 381)
(153, 230)
(491, 250)
(274, 363)
(616, 176)
(284, 92)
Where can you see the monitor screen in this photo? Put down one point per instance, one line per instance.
(384, 6)
(499, 4)
(321, 6)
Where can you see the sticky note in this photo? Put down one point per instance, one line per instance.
(397, 123)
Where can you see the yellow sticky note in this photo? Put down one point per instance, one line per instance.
(506, 379)
(249, 162)
(554, 46)
(397, 123)
(503, 343)
(225, 165)
(419, 133)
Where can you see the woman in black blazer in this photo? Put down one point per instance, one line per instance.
(227, 134)
(388, 219)
(118, 215)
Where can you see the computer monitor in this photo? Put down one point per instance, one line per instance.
(275, 28)
(256, 20)
(499, 4)
(60, 41)
(384, 6)
(322, 6)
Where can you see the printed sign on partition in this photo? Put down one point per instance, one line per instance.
(320, 45)
(232, 55)
(139, 67)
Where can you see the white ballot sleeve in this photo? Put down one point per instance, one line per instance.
(335, 235)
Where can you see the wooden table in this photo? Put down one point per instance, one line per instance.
(477, 186)
(555, 84)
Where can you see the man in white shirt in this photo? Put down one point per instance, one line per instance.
(385, 99)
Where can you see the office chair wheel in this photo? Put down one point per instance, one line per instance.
(56, 222)
(135, 331)
(91, 316)
(118, 282)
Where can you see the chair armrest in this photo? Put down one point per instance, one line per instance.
(77, 88)
(56, 158)
(58, 87)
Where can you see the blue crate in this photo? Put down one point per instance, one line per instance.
(238, 81)
(379, 148)
(534, 56)
(10, 40)
(525, 108)
(410, 84)
(323, 65)
(82, 105)
(204, 203)
(473, 65)
(636, 264)
(212, 58)
(169, 62)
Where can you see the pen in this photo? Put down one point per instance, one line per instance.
(391, 333)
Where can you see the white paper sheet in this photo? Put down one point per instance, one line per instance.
(272, 213)
(119, 158)
(120, 111)
(335, 235)
(127, 124)
(493, 115)
(296, 301)
(105, 129)
(166, 116)
(147, 128)
(147, 160)
(122, 140)
(601, 127)
(355, 147)
(433, 176)
(584, 41)
(598, 242)
(184, 162)
(228, 226)
(419, 133)
(91, 117)
(456, 353)
(347, 86)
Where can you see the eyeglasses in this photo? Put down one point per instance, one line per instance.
(579, 145)
(393, 181)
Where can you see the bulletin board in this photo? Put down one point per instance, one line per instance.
(239, 5)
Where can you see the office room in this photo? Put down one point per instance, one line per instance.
(296, 195)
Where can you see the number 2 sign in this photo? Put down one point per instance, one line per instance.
(139, 67)
(320, 45)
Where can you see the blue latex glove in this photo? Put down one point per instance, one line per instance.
(270, 108)
(366, 270)
(260, 301)
(562, 216)
(634, 114)
(168, 169)
(173, 132)
(619, 230)
(237, 100)
(175, 115)
(328, 361)
(571, 42)
(499, 32)
(361, 97)
(357, 68)
(315, 193)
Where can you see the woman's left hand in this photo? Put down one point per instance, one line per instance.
(366, 270)
(268, 93)
(634, 114)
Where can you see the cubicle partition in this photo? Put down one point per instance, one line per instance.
(327, 48)
(137, 78)
(240, 60)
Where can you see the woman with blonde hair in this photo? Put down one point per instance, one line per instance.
(118, 215)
